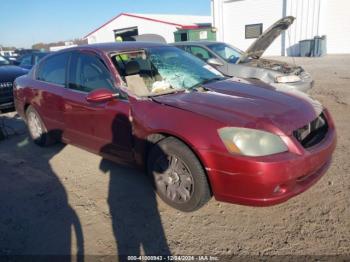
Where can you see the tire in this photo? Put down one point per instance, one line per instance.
(37, 129)
(177, 175)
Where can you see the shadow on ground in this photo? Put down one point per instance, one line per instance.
(136, 222)
(36, 218)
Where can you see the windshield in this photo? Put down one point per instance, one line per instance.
(162, 70)
(4, 61)
(226, 52)
(39, 56)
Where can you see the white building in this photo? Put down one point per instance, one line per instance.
(61, 47)
(232, 19)
(125, 25)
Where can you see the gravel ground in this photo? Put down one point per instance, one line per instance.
(63, 200)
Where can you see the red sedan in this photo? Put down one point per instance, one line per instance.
(197, 132)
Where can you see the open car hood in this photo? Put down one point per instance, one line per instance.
(260, 45)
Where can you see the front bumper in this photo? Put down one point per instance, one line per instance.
(265, 181)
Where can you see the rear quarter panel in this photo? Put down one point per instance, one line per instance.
(45, 98)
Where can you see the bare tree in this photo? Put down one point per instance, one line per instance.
(46, 46)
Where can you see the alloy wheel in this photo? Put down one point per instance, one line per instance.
(174, 179)
(34, 124)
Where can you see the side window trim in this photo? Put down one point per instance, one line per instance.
(74, 57)
(42, 62)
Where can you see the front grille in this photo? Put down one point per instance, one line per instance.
(6, 92)
(312, 133)
(5, 87)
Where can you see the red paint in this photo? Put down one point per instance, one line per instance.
(181, 26)
(118, 129)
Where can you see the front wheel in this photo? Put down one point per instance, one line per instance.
(37, 129)
(178, 175)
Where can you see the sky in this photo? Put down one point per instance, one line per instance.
(26, 22)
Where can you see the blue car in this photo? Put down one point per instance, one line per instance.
(28, 60)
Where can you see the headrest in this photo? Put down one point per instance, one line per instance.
(132, 68)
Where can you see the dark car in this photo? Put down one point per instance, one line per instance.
(28, 60)
(21, 52)
(8, 74)
(233, 62)
(197, 132)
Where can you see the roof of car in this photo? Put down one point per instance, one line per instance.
(203, 43)
(123, 46)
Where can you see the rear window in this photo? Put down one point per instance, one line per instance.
(53, 69)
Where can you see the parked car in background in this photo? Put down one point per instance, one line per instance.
(28, 60)
(8, 73)
(233, 62)
(9, 54)
(197, 132)
(21, 52)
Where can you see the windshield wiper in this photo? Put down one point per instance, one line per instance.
(207, 81)
(167, 92)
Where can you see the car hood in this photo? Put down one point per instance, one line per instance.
(277, 66)
(9, 72)
(237, 102)
(257, 49)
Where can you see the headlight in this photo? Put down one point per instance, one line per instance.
(251, 142)
(288, 79)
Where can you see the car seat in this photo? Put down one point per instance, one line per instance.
(134, 81)
(200, 56)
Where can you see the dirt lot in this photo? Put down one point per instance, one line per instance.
(63, 200)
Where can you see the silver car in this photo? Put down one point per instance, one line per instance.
(233, 62)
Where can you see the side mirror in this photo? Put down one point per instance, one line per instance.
(214, 62)
(100, 96)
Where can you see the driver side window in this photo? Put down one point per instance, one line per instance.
(201, 53)
(89, 73)
(26, 60)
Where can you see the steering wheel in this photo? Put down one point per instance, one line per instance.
(232, 57)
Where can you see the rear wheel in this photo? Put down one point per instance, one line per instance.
(177, 175)
(37, 129)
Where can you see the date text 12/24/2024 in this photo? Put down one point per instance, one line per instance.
(172, 258)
